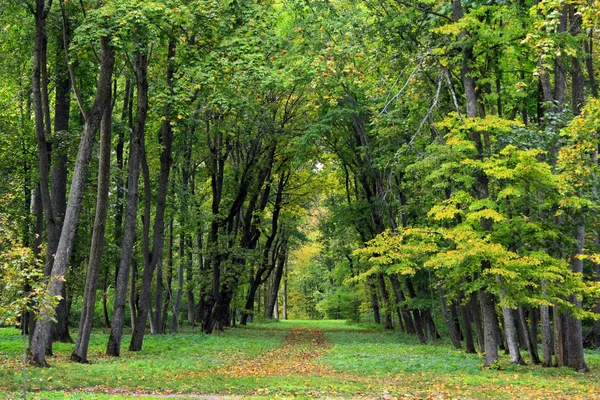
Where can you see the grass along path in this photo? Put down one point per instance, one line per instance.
(288, 359)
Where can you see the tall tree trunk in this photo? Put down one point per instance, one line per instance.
(466, 319)
(547, 343)
(188, 279)
(386, 301)
(374, 301)
(574, 337)
(449, 321)
(61, 261)
(169, 297)
(277, 281)
(95, 261)
(178, 297)
(511, 336)
(166, 159)
(475, 311)
(129, 229)
(60, 331)
(400, 300)
(489, 327)
(530, 342)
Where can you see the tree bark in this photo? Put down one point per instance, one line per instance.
(574, 337)
(490, 341)
(547, 343)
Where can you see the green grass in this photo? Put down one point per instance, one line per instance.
(361, 362)
(325, 325)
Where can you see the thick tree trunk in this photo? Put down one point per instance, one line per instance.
(489, 327)
(511, 336)
(547, 343)
(61, 261)
(574, 337)
(129, 229)
(95, 261)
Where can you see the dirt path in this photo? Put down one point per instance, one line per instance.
(297, 355)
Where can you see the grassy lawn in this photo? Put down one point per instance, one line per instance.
(349, 361)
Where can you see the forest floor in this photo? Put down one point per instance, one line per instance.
(287, 359)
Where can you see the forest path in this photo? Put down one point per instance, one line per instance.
(297, 355)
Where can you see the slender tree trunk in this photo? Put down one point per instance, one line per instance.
(284, 299)
(105, 299)
(95, 261)
(129, 229)
(466, 319)
(60, 331)
(169, 297)
(530, 342)
(400, 299)
(188, 279)
(178, 297)
(276, 282)
(475, 310)
(386, 302)
(449, 321)
(61, 261)
(374, 301)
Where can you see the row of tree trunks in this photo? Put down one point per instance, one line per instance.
(42, 333)
(130, 223)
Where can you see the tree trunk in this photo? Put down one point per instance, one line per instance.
(178, 297)
(466, 318)
(400, 301)
(386, 302)
(374, 301)
(547, 344)
(95, 261)
(475, 310)
(277, 281)
(530, 342)
(190, 292)
(511, 336)
(449, 321)
(60, 331)
(574, 336)
(129, 229)
(61, 261)
(489, 327)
